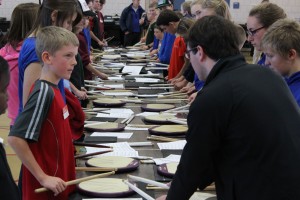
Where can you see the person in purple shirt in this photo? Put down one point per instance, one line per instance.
(281, 45)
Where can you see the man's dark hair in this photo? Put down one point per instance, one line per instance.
(167, 16)
(216, 35)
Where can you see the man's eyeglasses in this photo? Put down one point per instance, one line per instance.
(253, 32)
(187, 52)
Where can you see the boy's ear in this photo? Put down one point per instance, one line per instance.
(46, 58)
(54, 17)
(292, 54)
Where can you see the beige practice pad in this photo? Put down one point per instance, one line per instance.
(122, 164)
(159, 119)
(106, 126)
(203, 196)
(168, 169)
(108, 102)
(157, 107)
(105, 187)
(168, 130)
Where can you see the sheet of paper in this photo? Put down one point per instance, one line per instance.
(114, 115)
(115, 86)
(147, 80)
(170, 158)
(119, 110)
(177, 145)
(117, 93)
(119, 149)
(113, 134)
(116, 78)
(133, 70)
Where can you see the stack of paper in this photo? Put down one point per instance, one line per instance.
(177, 145)
(133, 70)
(119, 149)
(116, 113)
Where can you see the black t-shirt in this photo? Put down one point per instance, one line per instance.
(9, 189)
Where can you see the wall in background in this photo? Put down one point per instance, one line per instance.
(113, 7)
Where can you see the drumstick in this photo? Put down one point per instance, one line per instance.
(162, 84)
(208, 188)
(76, 181)
(177, 121)
(91, 154)
(91, 145)
(141, 125)
(137, 190)
(129, 120)
(161, 139)
(95, 169)
(144, 180)
(180, 111)
(167, 93)
(178, 108)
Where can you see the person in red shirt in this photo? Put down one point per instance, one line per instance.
(41, 136)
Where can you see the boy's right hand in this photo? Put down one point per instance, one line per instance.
(54, 184)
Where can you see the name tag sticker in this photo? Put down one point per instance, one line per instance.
(65, 112)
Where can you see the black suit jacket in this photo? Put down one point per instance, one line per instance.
(244, 134)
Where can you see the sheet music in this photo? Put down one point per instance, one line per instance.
(115, 86)
(113, 134)
(114, 115)
(177, 145)
(133, 70)
(119, 149)
(116, 78)
(170, 158)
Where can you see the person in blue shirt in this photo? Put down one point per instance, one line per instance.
(165, 52)
(132, 18)
(281, 45)
(260, 18)
(61, 13)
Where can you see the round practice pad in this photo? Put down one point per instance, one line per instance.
(106, 126)
(122, 164)
(167, 169)
(168, 130)
(106, 102)
(157, 107)
(159, 119)
(105, 187)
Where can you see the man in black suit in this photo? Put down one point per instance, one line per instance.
(244, 125)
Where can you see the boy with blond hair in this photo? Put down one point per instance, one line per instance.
(41, 136)
(281, 45)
